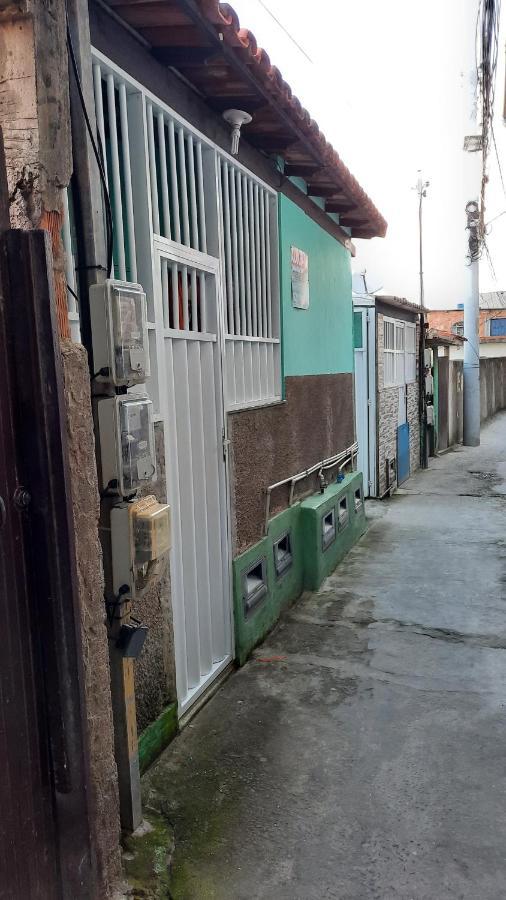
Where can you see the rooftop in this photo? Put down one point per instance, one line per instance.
(203, 40)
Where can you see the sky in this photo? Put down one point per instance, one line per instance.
(384, 82)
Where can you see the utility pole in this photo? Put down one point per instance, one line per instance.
(472, 168)
(421, 189)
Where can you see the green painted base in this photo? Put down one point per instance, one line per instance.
(311, 563)
(157, 736)
(343, 506)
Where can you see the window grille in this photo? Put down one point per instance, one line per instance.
(176, 169)
(249, 226)
(168, 182)
(188, 300)
(111, 107)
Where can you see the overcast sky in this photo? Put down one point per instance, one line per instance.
(384, 83)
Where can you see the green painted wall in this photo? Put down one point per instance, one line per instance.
(318, 340)
(311, 563)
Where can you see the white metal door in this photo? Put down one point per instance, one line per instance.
(188, 309)
(362, 397)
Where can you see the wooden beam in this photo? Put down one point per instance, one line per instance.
(339, 206)
(321, 190)
(300, 170)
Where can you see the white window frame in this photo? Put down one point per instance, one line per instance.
(399, 360)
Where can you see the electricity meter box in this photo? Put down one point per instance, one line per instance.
(127, 443)
(140, 536)
(151, 530)
(120, 333)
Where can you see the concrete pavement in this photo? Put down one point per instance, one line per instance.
(361, 753)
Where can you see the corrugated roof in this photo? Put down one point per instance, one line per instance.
(438, 336)
(203, 39)
(493, 300)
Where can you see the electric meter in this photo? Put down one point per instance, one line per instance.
(140, 538)
(120, 334)
(127, 442)
(151, 530)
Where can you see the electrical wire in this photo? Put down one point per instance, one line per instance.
(76, 298)
(284, 30)
(98, 155)
(487, 48)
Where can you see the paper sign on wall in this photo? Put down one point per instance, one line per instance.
(300, 279)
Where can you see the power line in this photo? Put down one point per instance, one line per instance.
(285, 30)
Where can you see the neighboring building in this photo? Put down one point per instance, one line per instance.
(387, 392)
(492, 325)
(447, 390)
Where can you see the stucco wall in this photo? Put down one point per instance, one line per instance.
(492, 386)
(387, 414)
(271, 443)
(318, 340)
(85, 506)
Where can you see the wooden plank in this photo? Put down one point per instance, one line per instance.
(157, 736)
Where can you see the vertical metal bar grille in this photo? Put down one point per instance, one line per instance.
(249, 248)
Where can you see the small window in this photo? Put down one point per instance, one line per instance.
(498, 327)
(343, 512)
(358, 338)
(254, 585)
(328, 528)
(359, 499)
(458, 328)
(393, 352)
(283, 558)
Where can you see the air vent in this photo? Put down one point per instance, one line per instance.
(283, 559)
(359, 499)
(391, 471)
(254, 585)
(328, 528)
(343, 513)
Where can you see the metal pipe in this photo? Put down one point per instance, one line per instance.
(127, 175)
(99, 112)
(118, 209)
(162, 153)
(294, 479)
(152, 172)
(173, 182)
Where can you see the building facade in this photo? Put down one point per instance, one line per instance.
(387, 390)
(205, 309)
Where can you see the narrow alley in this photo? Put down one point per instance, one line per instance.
(360, 753)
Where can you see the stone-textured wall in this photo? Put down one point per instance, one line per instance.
(155, 673)
(274, 442)
(387, 414)
(85, 505)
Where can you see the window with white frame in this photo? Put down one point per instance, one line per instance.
(399, 352)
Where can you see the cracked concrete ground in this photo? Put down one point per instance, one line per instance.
(361, 752)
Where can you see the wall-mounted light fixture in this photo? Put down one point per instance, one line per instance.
(236, 118)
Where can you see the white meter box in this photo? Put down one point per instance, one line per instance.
(127, 443)
(120, 333)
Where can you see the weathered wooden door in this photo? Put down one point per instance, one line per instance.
(45, 851)
(443, 364)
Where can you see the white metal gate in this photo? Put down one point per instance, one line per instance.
(365, 397)
(200, 234)
(187, 319)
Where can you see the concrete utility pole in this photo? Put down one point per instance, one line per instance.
(421, 189)
(472, 170)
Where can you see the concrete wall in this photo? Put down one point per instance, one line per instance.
(387, 412)
(316, 340)
(492, 386)
(85, 505)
